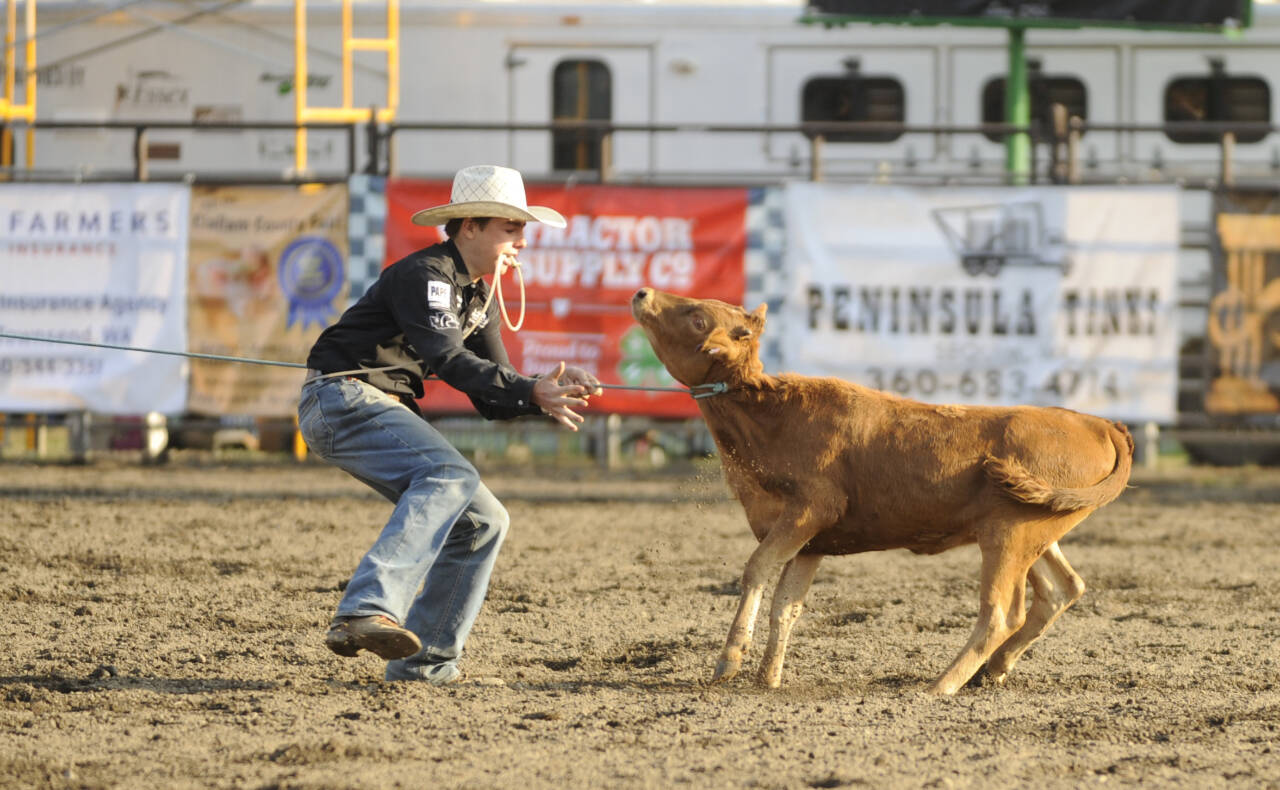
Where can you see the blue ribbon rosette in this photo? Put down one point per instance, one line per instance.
(311, 275)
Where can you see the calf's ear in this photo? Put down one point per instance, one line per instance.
(754, 324)
(716, 343)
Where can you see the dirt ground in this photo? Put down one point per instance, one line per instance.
(162, 627)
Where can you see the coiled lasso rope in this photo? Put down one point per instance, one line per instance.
(496, 288)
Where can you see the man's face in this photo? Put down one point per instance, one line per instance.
(499, 242)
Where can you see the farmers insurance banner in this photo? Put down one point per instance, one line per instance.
(579, 280)
(96, 264)
(267, 275)
(1052, 296)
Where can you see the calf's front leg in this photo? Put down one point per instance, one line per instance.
(777, 548)
(788, 602)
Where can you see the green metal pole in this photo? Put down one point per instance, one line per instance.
(1017, 109)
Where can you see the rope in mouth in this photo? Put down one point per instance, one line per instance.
(502, 303)
(496, 288)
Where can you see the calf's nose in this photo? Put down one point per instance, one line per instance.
(641, 295)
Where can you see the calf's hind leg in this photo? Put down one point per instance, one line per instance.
(1056, 588)
(1009, 548)
(788, 602)
(1005, 559)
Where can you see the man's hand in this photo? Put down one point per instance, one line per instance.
(589, 383)
(558, 399)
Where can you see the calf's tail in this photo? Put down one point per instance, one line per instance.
(1013, 478)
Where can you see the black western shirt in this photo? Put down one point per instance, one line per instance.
(415, 316)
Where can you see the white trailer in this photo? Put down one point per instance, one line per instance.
(679, 65)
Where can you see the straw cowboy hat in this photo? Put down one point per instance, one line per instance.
(488, 191)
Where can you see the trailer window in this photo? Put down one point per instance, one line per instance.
(854, 97)
(1045, 91)
(581, 90)
(1216, 97)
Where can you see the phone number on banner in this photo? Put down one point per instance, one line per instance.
(997, 384)
(49, 366)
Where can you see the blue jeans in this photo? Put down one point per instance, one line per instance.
(445, 531)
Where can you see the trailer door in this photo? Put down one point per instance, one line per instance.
(1202, 83)
(823, 83)
(1086, 79)
(550, 82)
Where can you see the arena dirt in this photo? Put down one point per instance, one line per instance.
(162, 628)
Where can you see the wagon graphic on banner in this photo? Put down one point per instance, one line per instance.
(993, 236)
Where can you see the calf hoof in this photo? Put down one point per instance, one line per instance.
(768, 681)
(725, 670)
(940, 689)
(994, 673)
(986, 676)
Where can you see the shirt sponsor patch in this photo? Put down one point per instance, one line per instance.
(439, 295)
(443, 320)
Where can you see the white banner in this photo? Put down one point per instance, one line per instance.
(98, 264)
(1056, 296)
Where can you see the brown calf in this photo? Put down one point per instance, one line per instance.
(824, 466)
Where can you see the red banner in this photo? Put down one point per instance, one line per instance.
(579, 280)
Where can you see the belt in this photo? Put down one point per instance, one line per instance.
(313, 374)
(407, 400)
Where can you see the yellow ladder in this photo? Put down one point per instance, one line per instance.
(347, 113)
(10, 110)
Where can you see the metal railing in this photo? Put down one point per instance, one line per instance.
(1061, 139)
(141, 159)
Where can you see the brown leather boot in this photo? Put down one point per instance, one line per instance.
(376, 633)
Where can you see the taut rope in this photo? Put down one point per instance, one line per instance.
(697, 390)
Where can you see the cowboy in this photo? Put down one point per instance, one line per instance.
(414, 596)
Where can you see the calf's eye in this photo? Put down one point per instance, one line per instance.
(699, 324)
